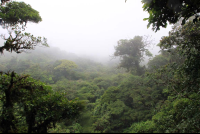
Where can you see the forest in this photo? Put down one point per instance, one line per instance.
(45, 89)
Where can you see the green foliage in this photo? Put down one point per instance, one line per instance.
(132, 53)
(67, 86)
(185, 40)
(180, 112)
(141, 127)
(18, 12)
(165, 100)
(102, 124)
(63, 69)
(36, 103)
(157, 61)
(102, 82)
(163, 11)
(180, 115)
(87, 91)
(65, 65)
(14, 17)
(128, 103)
(86, 119)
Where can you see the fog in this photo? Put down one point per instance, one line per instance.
(91, 28)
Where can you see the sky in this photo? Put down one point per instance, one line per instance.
(91, 27)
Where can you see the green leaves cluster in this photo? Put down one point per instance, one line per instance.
(18, 13)
(65, 65)
(180, 112)
(35, 103)
(132, 52)
(130, 102)
(163, 11)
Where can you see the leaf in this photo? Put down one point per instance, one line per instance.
(145, 19)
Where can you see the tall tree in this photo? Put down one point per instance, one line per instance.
(14, 17)
(132, 52)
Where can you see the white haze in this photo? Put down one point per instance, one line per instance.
(91, 27)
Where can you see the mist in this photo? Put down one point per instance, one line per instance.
(100, 69)
(91, 28)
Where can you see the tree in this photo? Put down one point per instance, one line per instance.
(141, 127)
(31, 103)
(163, 11)
(15, 16)
(65, 65)
(132, 52)
(167, 56)
(18, 13)
(130, 102)
(156, 62)
(180, 112)
(63, 68)
(28, 105)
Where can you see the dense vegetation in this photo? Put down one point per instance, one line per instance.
(50, 90)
